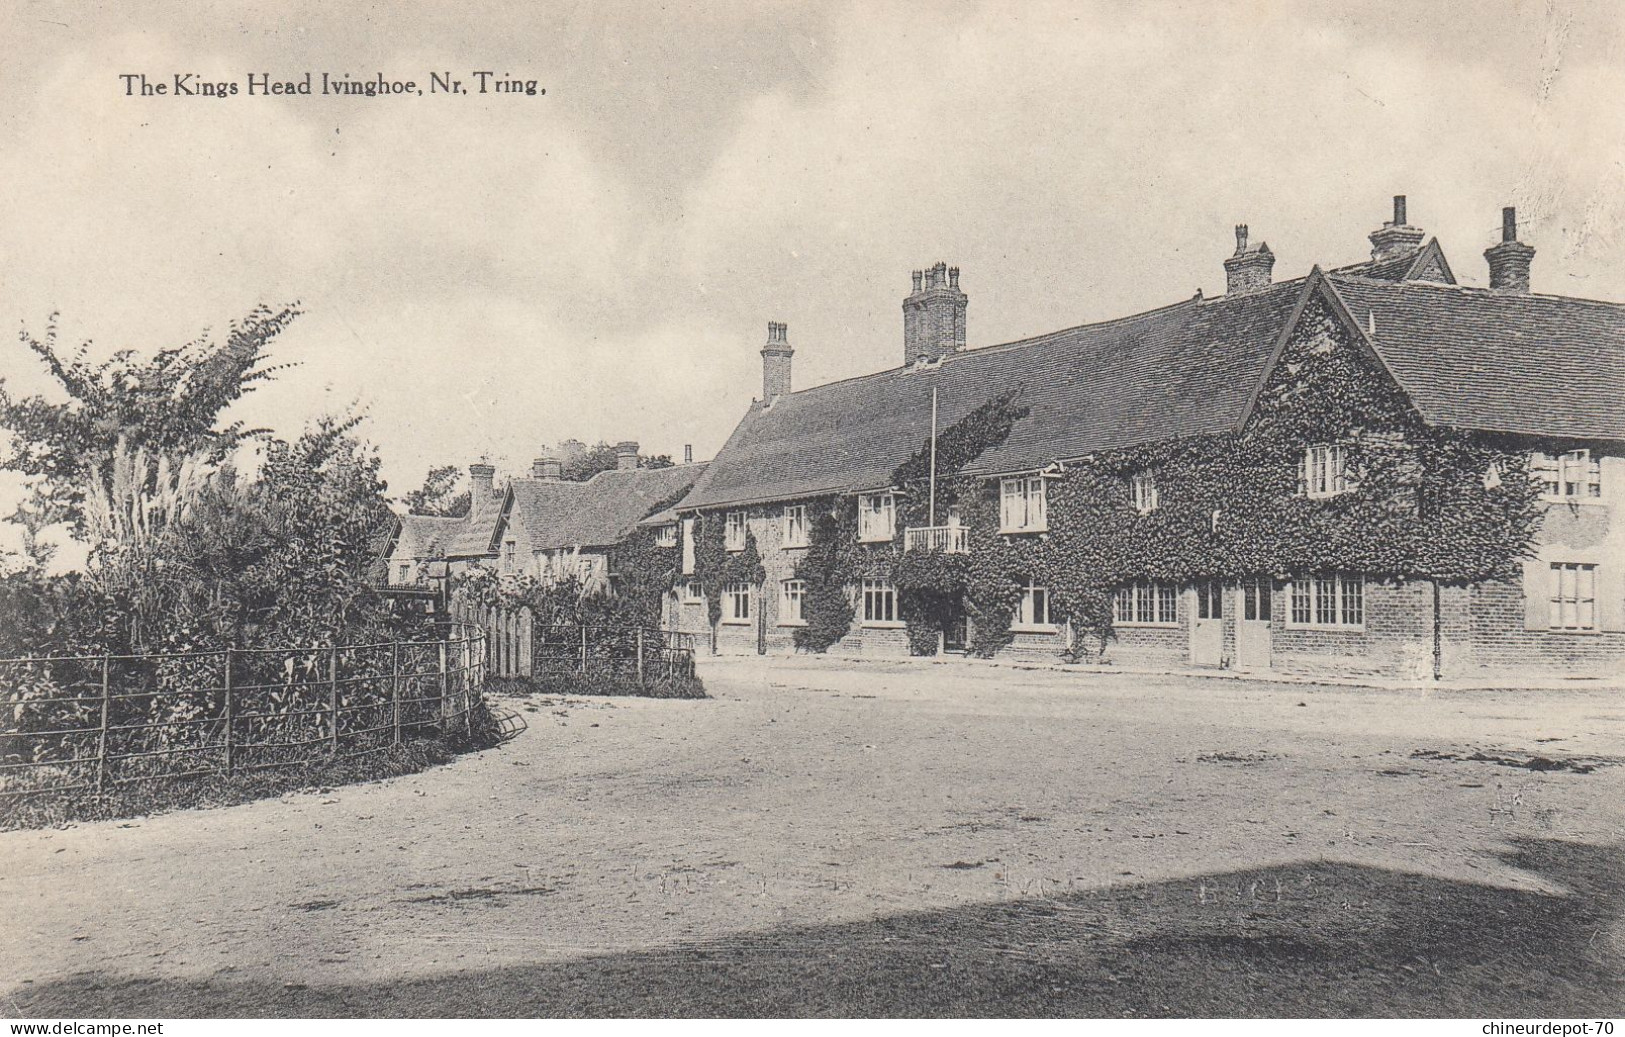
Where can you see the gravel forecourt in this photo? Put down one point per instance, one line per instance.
(835, 838)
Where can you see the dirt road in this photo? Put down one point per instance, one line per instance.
(897, 839)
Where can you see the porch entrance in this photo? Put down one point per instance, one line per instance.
(956, 630)
(1207, 624)
(1253, 616)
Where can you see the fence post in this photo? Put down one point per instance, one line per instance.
(333, 692)
(640, 655)
(395, 686)
(231, 713)
(443, 687)
(583, 649)
(101, 740)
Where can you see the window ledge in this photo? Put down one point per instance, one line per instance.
(734, 550)
(792, 622)
(1034, 628)
(1149, 626)
(1329, 628)
(794, 545)
(875, 540)
(884, 624)
(1568, 632)
(736, 622)
(1024, 529)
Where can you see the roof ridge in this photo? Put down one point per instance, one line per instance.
(1494, 293)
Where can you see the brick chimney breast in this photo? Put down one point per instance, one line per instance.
(1510, 259)
(1396, 237)
(626, 455)
(481, 479)
(776, 357)
(1251, 267)
(934, 315)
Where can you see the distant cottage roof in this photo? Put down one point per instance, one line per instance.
(428, 535)
(1468, 358)
(477, 536)
(601, 511)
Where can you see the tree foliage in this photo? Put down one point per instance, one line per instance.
(439, 494)
(600, 457)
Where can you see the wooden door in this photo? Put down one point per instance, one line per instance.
(1253, 618)
(1207, 624)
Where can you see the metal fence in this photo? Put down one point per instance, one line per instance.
(646, 655)
(93, 722)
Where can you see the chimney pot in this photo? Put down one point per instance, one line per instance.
(1251, 268)
(1241, 238)
(1509, 224)
(688, 453)
(1396, 238)
(934, 318)
(1509, 259)
(1399, 210)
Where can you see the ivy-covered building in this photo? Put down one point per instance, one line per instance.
(1368, 468)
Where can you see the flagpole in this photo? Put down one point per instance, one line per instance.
(933, 509)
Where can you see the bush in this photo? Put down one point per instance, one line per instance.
(560, 684)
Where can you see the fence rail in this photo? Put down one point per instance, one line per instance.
(94, 722)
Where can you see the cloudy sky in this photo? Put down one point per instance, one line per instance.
(486, 275)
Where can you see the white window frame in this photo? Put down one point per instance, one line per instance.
(735, 526)
(1143, 490)
(1033, 613)
(404, 571)
(666, 536)
(792, 603)
(1324, 471)
(1023, 507)
(878, 604)
(1326, 601)
(797, 529)
(877, 524)
(1572, 598)
(736, 603)
(1571, 478)
(693, 592)
(1146, 603)
(510, 555)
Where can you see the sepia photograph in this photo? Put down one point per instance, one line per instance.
(726, 509)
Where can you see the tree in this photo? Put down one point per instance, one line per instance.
(601, 458)
(166, 406)
(439, 496)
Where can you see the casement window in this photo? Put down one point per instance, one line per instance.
(1210, 600)
(1573, 476)
(1143, 488)
(1146, 604)
(877, 517)
(733, 532)
(1255, 600)
(1574, 596)
(693, 590)
(1021, 505)
(403, 573)
(879, 602)
(796, 531)
(1330, 600)
(510, 555)
(1034, 610)
(666, 536)
(792, 596)
(736, 603)
(1323, 473)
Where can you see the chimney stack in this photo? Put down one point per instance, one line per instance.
(1396, 237)
(1509, 261)
(934, 315)
(481, 478)
(626, 455)
(776, 357)
(547, 469)
(1251, 268)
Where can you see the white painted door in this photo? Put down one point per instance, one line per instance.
(1253, 616)
(1207, 624)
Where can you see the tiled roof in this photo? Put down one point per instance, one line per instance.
(1500, 361)
(428, 535)
(1186, 369)
(1427, 262)
(479, 529)
(601, 511)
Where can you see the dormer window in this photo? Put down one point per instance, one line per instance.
(877, 517)
(666, 536)
(1324, 473)
(733, 532)
(1143, 489)
(1573, 476)
(796, 530)
(1022, 506)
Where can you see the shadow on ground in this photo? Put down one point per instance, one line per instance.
(1312, 939)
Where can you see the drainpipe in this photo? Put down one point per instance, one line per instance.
(1438, 641)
